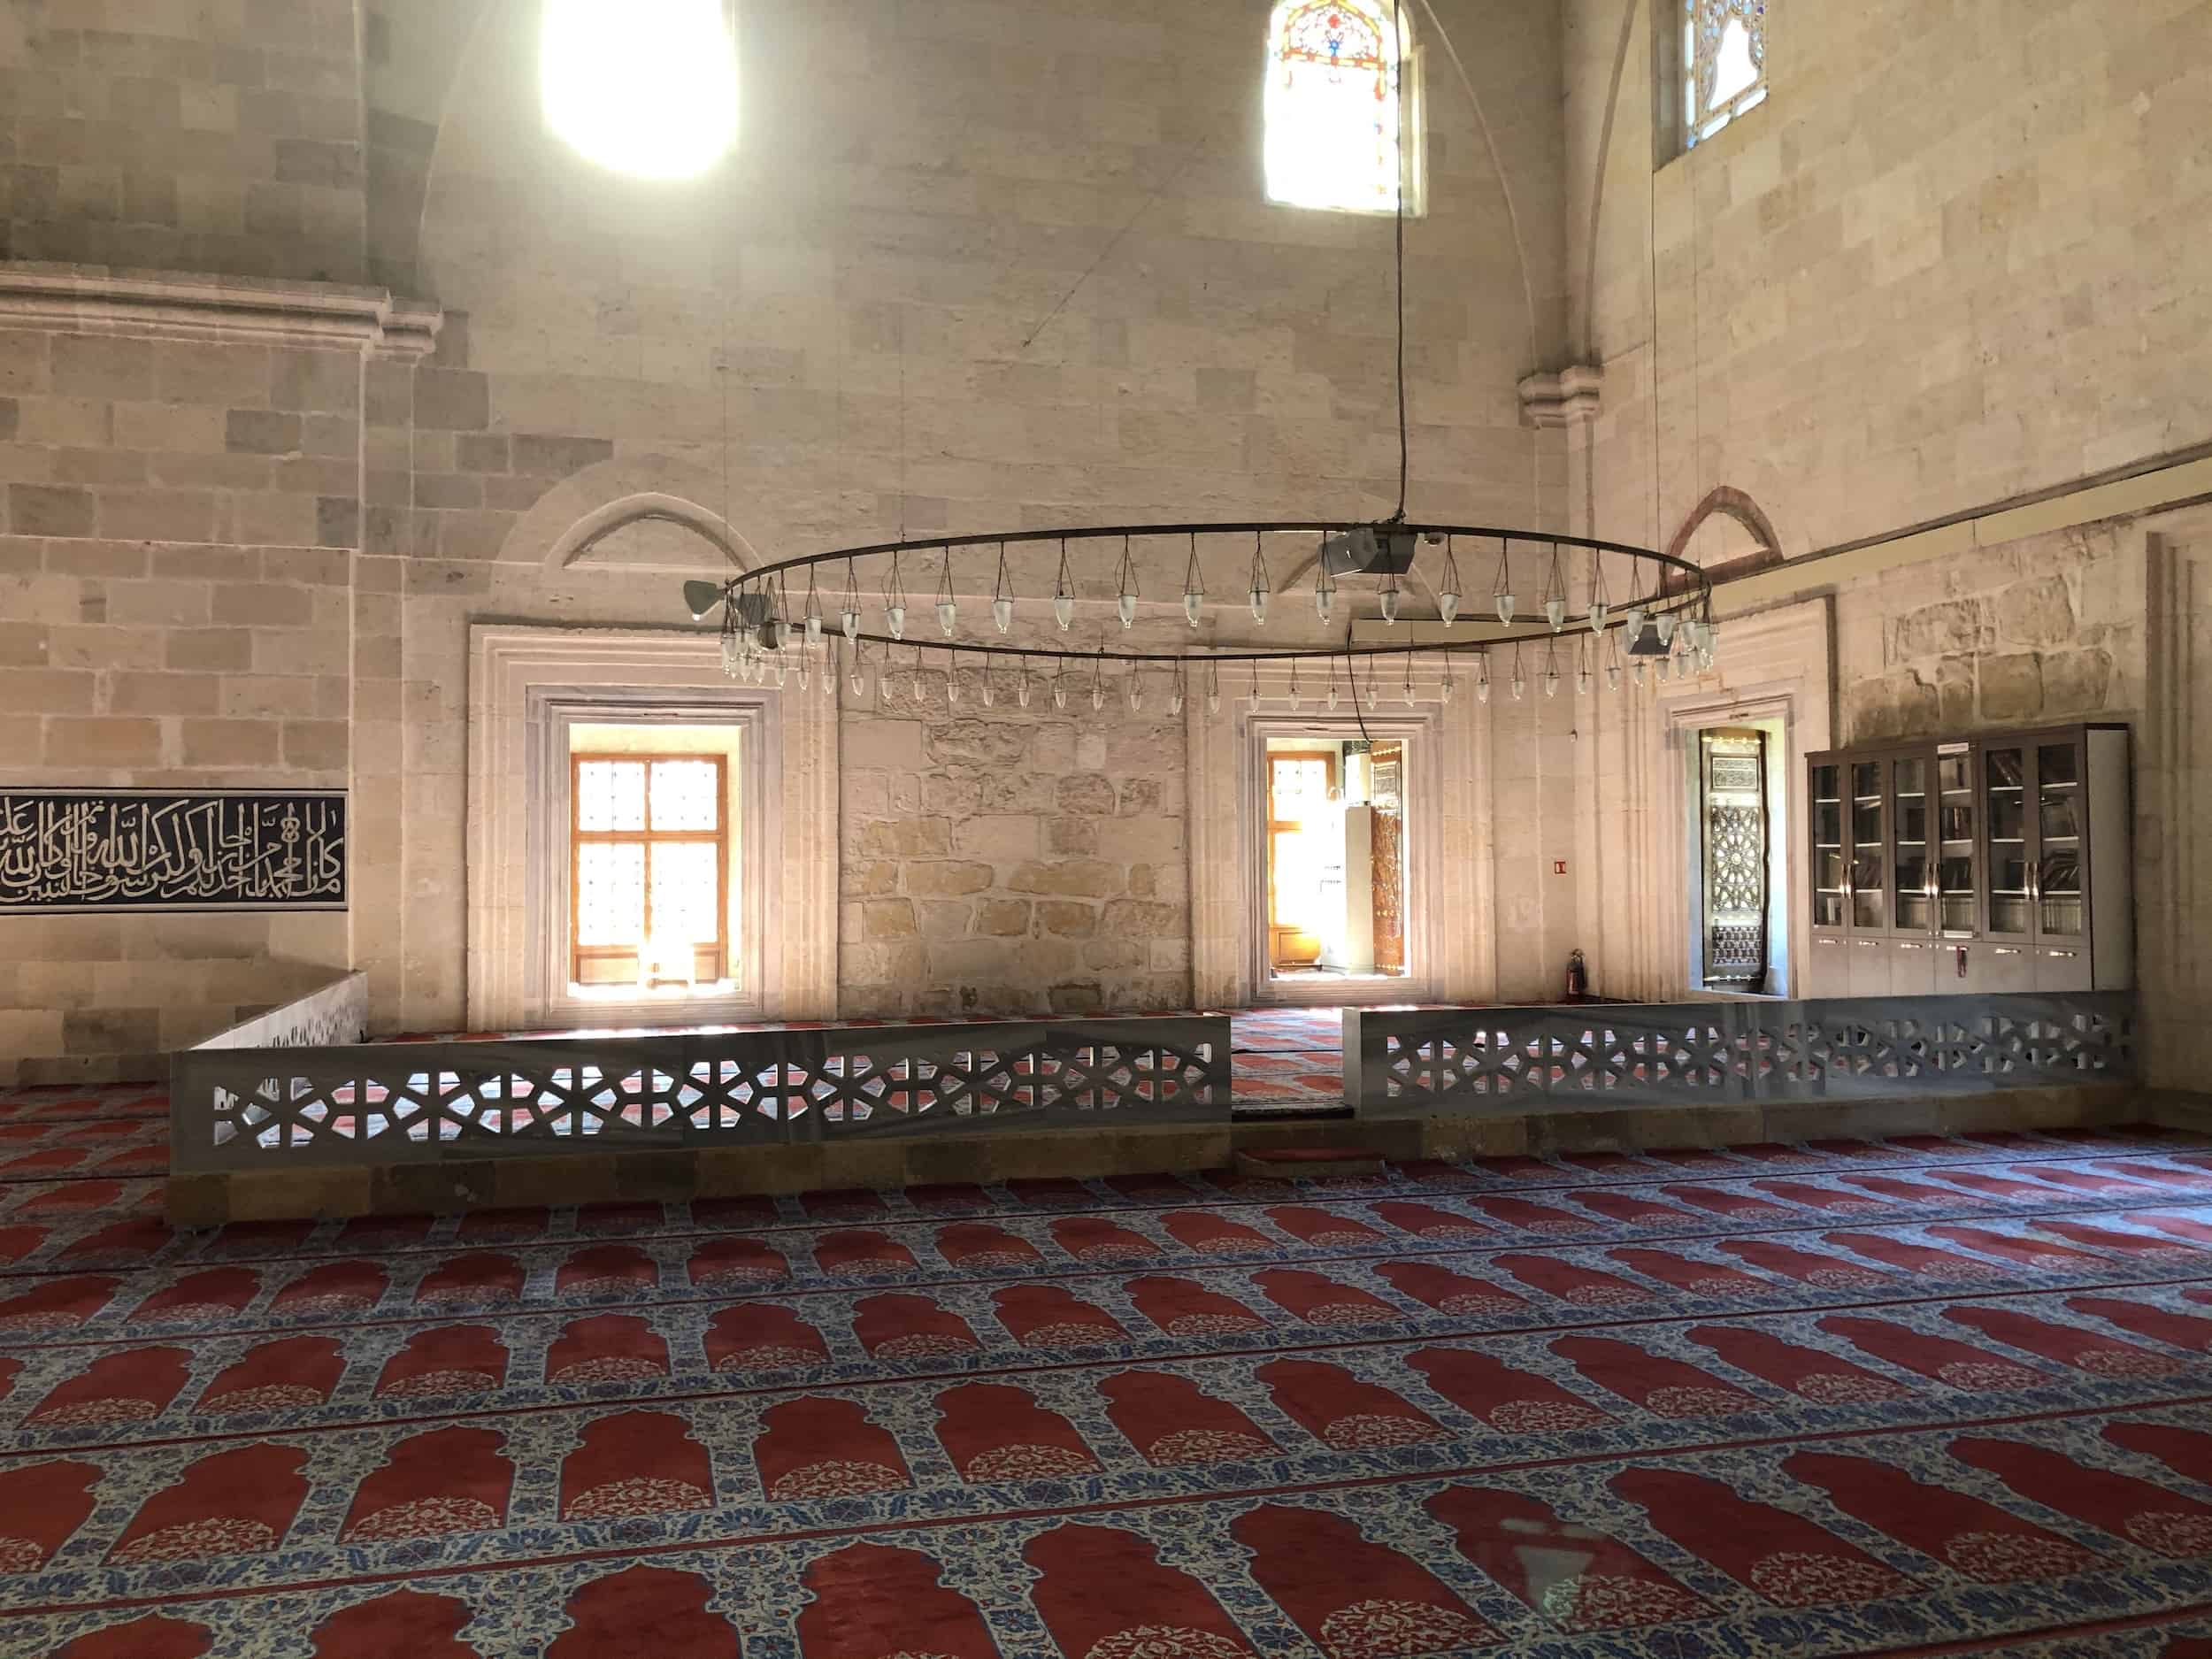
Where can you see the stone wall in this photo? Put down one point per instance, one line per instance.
(939, 289)
(2040, 632)
(1006, 861)
(1954, 258)
(210, 137)
(176, 525)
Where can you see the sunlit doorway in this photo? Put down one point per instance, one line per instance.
(1335, 839)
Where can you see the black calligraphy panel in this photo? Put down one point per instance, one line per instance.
(146, 849)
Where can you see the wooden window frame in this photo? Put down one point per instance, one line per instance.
(579, 838)
(1276, 827)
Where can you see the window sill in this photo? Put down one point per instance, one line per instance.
(673, 1004)
(1725, 140)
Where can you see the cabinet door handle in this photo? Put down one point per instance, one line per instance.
(2004, 950)
(1907, 944)
(1868, 944)
(2062, 955)
(1831, 943)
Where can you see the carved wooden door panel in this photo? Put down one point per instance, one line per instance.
(1389, 865)
(1733, 769)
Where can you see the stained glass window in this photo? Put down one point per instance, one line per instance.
(1725, 63)
(1334, 106)
(651, 894)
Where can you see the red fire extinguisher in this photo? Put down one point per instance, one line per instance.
(1578, 977)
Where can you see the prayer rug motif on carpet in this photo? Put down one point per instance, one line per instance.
(1932, 1394)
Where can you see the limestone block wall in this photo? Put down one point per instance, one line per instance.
(938, 288)
(2044, 630)
(176, 526)
(223, 138)
(1954, 258)
(1013, 861)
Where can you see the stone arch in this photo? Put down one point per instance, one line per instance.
(586, 517)
(1732, 504)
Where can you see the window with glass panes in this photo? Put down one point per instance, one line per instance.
(650, 839)
(1724, 64)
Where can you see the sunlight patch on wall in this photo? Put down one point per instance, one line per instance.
(644, 86)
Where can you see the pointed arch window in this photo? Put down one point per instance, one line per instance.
(1724, 64)
(1342, 115)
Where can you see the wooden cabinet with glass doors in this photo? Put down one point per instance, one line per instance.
(1997, 863)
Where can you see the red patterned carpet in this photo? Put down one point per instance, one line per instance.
(1931, 1396)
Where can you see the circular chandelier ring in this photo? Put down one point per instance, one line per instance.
(1096, 533)
(1692, 589)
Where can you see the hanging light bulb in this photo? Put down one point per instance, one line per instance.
(1175, 696)
(1059, 691)
(813, 630)
(730, 658)
(1324, 595)
(883, 679)
(1063, 595)
(1213, 688)
(1482, 677)
(829, 677)
(1021, 687)
(1390, 605)
(1556, 593)
(1098, 693)
(952, 689)
(1125, 602)
(850, 617)
(1259, 605)
(1501, 591)
(1194, 604)
(1451, 682)
(990, 693)
(1643, 679)
(1520, 686)
(1632, 621)
(1551, 680)
(1582, 680)
(1370, 693)
(859, 680)
(1506, 604)
(1260, 586)
(802, 674)
(896, 616)
(1447, 595)
(1136, 694)
(1613, 675)
(1664, 622)
(1193, 585)
(948, 607)
(1125, 607)
(1448, 606)
(1001, 601)
(1332, 689)
(1408, 679)
(1600, 602)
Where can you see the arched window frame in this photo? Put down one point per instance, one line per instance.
(1690, 61)
(1280, 106)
